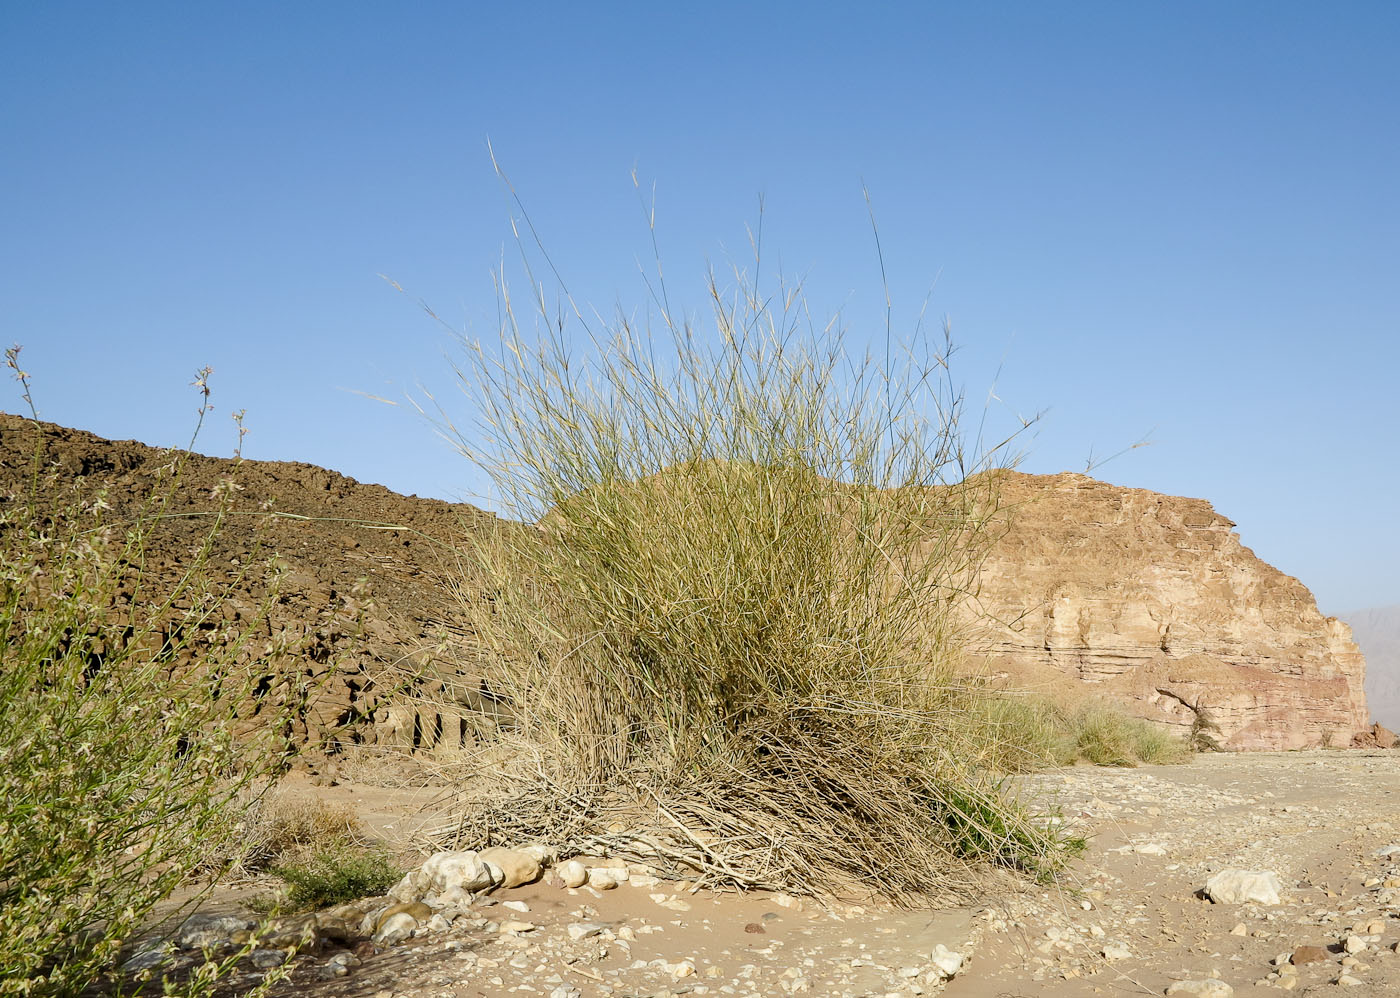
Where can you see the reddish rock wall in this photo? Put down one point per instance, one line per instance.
(1153, 599)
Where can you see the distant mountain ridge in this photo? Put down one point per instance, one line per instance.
(1377, 631)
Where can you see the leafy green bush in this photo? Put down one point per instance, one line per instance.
(739, 602)
(119, 773)
(337, 876)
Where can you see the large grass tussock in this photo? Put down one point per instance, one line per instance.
(730, 643)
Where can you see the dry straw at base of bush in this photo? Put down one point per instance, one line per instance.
(735, 626)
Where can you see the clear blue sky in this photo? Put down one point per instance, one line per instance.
(1177, 218)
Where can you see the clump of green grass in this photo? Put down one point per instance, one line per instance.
(736, 611)
(1109, 737)
(284, 827)
(1035, 730)
(337, 876)
(119, 774)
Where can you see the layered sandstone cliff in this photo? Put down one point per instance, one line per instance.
(1152, 600)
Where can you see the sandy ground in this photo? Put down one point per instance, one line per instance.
(1131, 922)
(1317, 819)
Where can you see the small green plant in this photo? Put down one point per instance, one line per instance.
(120, 776)
(337, 876)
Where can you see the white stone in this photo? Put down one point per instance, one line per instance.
(1240, 886)
(601, 880)
(412, 888)
(573, 873)
(463, 870)
(948, 962)
(1390, 850)
(1209, 987)
(396, 929)
(1116, 950)
(519, 906)
(583, 930)
(541, 854)
(1347, 981)
(683, 968)
(1355, 944)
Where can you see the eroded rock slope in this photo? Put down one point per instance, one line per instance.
(1152, 599)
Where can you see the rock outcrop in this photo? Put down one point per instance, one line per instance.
(1152, 600)
(364, 601)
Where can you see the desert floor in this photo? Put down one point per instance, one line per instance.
(1132, 920)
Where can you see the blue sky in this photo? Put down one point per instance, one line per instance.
(1176, 219)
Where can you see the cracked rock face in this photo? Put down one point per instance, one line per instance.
(1152, 600)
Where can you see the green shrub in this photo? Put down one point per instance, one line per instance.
(1107, 736)
(119, 773)
(336, 877)
(1034, 731)
(738, 606)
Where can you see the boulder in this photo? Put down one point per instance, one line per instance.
(517, 866)
(412, 887)
(573, 873)
(201, 931)
(601, 879)
(395, 929)
(948, 962)
(1209, 987)
(464, 870)
(1241, 886)
(419, 911)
